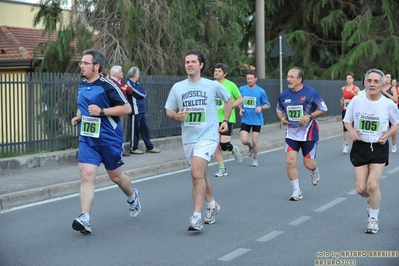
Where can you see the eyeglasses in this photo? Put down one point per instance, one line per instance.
(291, 77)
(85, 63)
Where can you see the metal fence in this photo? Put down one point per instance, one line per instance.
(36, 108)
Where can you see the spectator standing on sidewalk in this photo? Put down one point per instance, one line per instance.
(100, 103)
(116, 73)
(297, 108)
(219, 73)
(255, 101)
(140, 121)
(193, 103)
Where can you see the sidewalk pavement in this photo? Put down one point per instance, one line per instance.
(31, 178)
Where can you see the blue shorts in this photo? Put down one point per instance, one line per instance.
(308, 148)
(110, 156)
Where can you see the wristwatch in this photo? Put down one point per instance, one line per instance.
(311, 116)
(227, 121)
(102, 112)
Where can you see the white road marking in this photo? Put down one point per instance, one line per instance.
(269, 236)
(300, 220)
(329, 205)
(352, 192)
(384, 176)
(394, 170)
(114, 186)
(234, 254)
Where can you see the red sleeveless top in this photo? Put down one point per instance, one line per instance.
(348, 96)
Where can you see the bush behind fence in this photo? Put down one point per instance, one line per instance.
(36, 108)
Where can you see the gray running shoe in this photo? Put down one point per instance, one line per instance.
(372, 226)
(210, 217)
(82, 225)
(237, 155)
(135, 205)
(296, 195)
(221, 172)
(195, 224)
(250, 152)
(254, 163)
(315, 177)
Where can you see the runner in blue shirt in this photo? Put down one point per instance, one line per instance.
(297, 107)
(100, 103)
(254, 102)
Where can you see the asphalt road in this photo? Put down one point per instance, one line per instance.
(257, 224)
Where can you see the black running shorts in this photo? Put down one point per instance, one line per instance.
(363, 153)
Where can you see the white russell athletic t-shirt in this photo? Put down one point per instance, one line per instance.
(199, 101)
(371, 118)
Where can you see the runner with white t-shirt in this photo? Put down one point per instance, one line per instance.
(193, 103)
(371, 114)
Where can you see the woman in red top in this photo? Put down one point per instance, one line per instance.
(348, 92)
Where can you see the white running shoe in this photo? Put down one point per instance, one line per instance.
(221, 172)
(254, 163)
(195, 224)
(346, 149)
(82, 225)
(296, 195)
(315, 177)
(135, 205)
(237, 155)
(372, 226)
(394, 148)
(210, 217)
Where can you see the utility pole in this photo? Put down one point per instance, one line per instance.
(260, 39)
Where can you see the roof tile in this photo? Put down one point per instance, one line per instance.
(18, 43)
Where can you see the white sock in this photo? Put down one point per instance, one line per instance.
(131, 198)
(374, 213)
(211, 204)
(197, 215)
(295, 184)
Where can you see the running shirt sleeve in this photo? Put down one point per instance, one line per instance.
(171, 103)
(264, 100)
(221, 92)
(113, 92)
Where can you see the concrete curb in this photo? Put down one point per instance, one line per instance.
(19, 198)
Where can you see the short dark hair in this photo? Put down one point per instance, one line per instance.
(350, 74)
(200, 56)
(221, 66)
(98, 57)
(252, 72)
(301, 73)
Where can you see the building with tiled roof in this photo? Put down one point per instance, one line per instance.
(17, 46)
(18, 38)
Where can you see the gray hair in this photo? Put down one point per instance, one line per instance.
(115, 69)
(98, 57)
(133, 71)
(377, 71)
